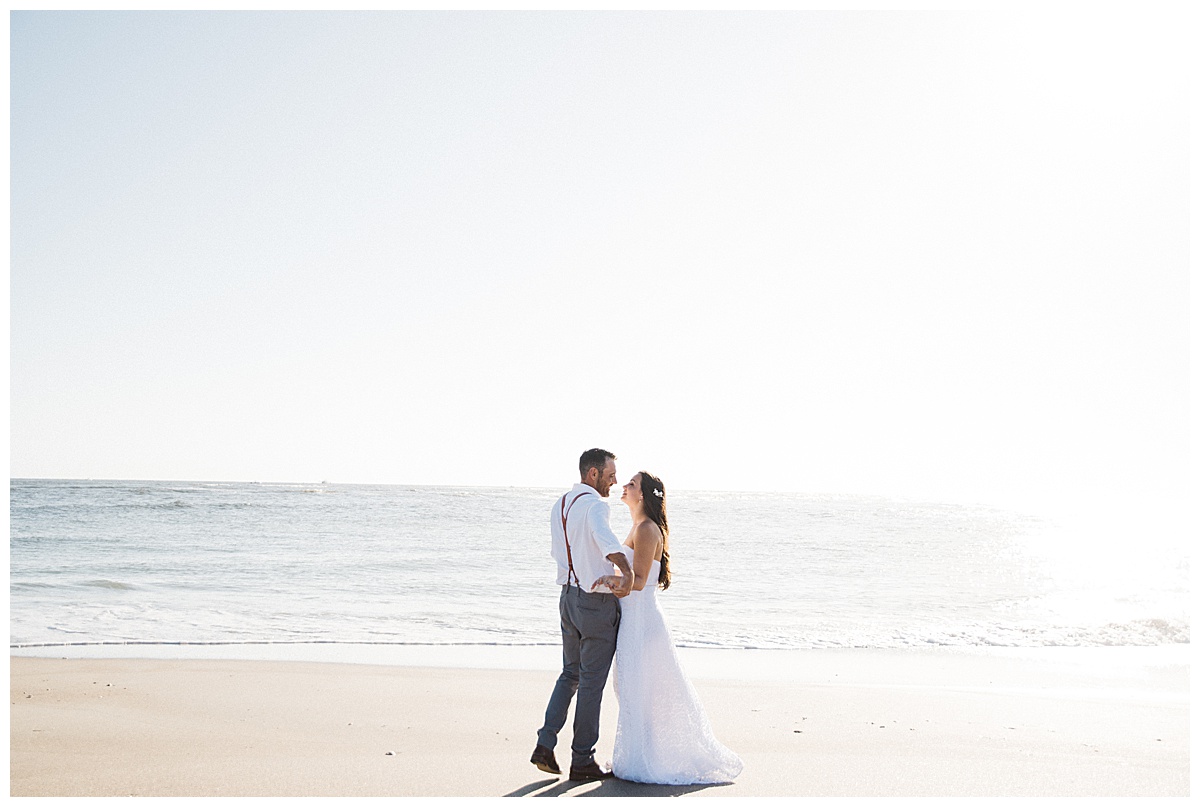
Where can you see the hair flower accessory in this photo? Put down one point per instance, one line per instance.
(658, 493)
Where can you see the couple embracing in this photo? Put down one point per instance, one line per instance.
(663, 735)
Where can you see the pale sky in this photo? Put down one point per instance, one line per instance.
(931, 254)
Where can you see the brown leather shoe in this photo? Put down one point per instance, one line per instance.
(589, 773)
(543, 757)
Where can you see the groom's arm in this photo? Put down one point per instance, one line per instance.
(611, 547)
(622, 563)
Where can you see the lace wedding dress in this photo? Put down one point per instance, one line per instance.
(663, 735)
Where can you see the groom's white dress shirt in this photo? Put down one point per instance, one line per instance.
(591, 537)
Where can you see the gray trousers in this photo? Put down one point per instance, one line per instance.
(589, 638)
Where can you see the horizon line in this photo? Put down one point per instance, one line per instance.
(859, 494)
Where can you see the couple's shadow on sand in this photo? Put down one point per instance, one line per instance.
(606, 787)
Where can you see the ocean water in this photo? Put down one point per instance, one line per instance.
(103, 562)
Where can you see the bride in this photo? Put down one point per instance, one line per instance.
(663, 735)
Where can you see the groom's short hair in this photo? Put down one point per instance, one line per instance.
(594, 458)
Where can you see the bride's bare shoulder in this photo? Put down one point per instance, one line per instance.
(646, 532)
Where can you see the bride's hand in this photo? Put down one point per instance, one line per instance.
(608, 581)
(615, 583)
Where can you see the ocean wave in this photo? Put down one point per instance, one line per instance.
(174, 504)
(1148, 633)
(109, 584)
(32, 584)
(1134, 633)
(42, 508)
(254, 643)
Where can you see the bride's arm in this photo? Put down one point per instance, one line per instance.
(645, 543)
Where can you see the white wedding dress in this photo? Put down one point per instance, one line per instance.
(663, 735)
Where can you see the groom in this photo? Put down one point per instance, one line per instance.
(585, 548)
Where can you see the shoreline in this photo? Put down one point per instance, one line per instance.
(827, 723)
(707, 661)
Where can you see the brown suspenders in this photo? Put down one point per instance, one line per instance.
(565, 509)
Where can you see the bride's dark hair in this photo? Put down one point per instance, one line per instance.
(654, 498)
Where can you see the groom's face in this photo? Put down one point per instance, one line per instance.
(608, 478)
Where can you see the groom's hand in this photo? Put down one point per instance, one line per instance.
(608, 581)
(624, 581)
(617, 584)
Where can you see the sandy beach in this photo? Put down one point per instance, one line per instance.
(817, 723)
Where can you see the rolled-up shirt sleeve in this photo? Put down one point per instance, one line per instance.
(602, 534)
